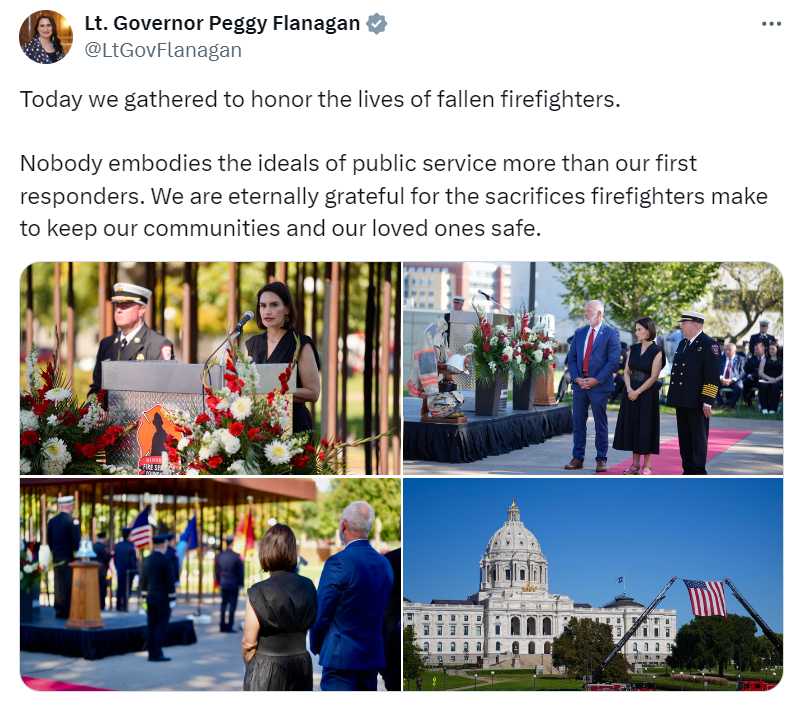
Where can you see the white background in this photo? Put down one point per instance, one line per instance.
(692, 78)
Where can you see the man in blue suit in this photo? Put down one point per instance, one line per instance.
(593, 359)
(732, 373)
(352, 597)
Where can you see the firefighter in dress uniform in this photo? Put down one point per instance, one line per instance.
(63, 538)
(694, 383)
(134, 341)
(158, 574)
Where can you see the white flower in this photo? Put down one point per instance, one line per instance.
(277, 453)
(231, 444)
(509, 351)
(28, 420)
(56, 456)
(28, 569)
(223, 404)
(58, 394)
(538, 355)
(492, 365)
(191, 472)
(469, 347)
(53, 420)
(183, 443)
(205, 452)
(241, 408)
(25, 466)
(493, 342)
(238, 467)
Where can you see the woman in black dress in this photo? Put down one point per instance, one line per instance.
(279, 612)
(638, 422)
(276, 314)
(770, 370)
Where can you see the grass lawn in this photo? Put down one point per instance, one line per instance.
(509, 680)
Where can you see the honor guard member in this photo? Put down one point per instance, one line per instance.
(134, 341)
(229, 575)
(761, 336)
(103, 556)
(63, 538)
(160, 589)
(694, 383)
(125, 564)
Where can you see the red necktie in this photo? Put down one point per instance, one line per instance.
(728, 369)
(588, 350)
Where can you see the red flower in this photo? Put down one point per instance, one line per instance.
(554, 364)
(41, 408)
(212, 403)
(215, 461)
(321, 456)
(173, 455)
(236, 429)
(276, 430)
(254, 433)
(309, 448)
(505, 357)
(90, 450)
(203, 417)
(100, 395)
(324, 443)
(486, 347)
(28, 438)
(299, 461)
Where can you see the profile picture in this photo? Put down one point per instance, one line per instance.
(46, 37)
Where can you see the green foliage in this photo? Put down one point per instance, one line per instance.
(583, 646)
(383, 494)
(630, 290)
(755, 288)
(711, 641)
(411, 655)
(767, 654)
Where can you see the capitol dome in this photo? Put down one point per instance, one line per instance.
(513, 558)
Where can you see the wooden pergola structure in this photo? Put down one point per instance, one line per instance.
(109, 504)
(325, 319)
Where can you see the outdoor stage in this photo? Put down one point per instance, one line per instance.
(480, 436)
(123, 633)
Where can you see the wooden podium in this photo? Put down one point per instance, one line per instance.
(544, 395)
(85, 596)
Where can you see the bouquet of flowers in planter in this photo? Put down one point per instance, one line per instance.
(30, 570)
(495, 350)
(245, 433)
(54, 432)
(532, 335)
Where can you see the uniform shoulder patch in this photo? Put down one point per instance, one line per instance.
(716, 350)
(167, 352)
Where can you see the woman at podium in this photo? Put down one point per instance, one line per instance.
(276, 315)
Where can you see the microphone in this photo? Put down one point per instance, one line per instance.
(248, 317)
(485, 295)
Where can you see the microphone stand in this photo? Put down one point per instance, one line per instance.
(488, 297)
(236, 332)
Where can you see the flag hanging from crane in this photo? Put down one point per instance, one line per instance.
(707, 597)
(243, 543)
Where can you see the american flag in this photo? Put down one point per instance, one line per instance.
(141, 529)
(707, 597)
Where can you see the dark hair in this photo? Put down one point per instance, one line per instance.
(278, 549)
(760, 344)
(280, 289)
(649, 325)
(778, 349)
(54, 37)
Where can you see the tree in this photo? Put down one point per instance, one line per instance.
(767, 654)
(631, 290)
(583, 646)
(384, 495)
(755, 288)
(712, 641)
(411, 655)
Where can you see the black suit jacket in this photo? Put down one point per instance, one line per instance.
(391, 632)
(752, 367)
(229, 570)
(147, 345)
(695, 377)
(63, 537)
(125, 558)
(103, 556)
(157, 578)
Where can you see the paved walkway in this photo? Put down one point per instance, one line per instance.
(760, 453)
(214, 663)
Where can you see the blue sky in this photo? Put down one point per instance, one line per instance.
(591, 530)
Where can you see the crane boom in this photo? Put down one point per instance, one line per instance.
(770, 634)
(597, 672)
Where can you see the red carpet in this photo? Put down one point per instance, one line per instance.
(668, 461)
(46, 685)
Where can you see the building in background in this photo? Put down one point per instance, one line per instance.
(432, 285)
(513, 618)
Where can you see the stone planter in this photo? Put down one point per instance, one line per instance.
(487, 398)
(523, 393)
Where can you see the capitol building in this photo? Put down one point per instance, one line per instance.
(513, 618)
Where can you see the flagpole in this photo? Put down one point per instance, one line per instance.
(200, 554)
(623, 580)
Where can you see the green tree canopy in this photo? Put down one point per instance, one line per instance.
(411, 655)
(713, 641)
(631, 290)
(755, 288)
(384, 495)
(583, 646)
